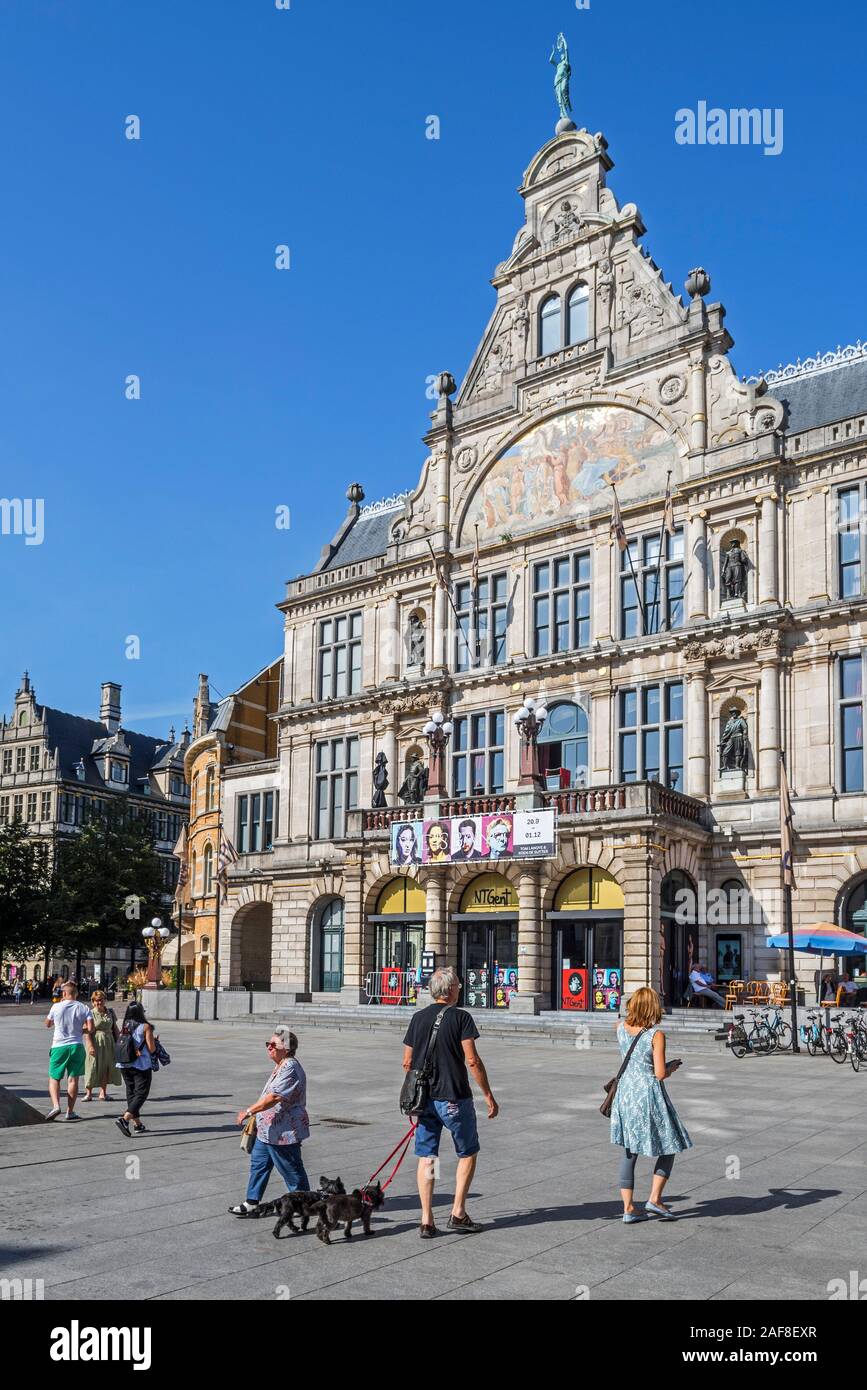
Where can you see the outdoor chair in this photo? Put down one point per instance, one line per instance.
(734, 989)
(758, 992)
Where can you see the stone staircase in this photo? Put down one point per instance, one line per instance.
(692, 1028)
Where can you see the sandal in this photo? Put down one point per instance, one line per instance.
(242, 1209)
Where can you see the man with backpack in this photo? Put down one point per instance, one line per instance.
(441, 1042)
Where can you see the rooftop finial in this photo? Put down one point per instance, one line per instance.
(562, 74)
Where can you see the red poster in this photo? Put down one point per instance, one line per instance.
(392, 986)
(573, 989)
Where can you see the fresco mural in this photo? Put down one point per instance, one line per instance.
(564, 468)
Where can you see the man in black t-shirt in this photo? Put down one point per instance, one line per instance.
(451, 1099)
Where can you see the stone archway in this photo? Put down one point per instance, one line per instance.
(251, 933)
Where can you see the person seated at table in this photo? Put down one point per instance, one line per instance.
(829, 990)
(701, 982)
(849, 988)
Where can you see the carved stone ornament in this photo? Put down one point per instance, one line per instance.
(467, 458)
(671, 389)
(733, 646)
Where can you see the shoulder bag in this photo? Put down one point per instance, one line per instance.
(611, 1086)
(415, 1091)
(248, 1135)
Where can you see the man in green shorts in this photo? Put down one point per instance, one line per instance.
(73, 1032)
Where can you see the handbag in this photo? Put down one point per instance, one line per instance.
(415, 1091)
(248, 1135)
(611, 1086)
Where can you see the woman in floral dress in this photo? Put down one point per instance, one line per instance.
(643, 1118)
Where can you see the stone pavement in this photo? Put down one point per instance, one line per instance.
(74, 1213)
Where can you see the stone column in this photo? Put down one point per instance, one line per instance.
(640, 879)
(697, 560)
(390, 639)
(697, 777)
(529, 998)
(436, 927)
(768, 582)
(606, 560)
(697, 403)
(769, 723)
(353, 934)
(441, 613)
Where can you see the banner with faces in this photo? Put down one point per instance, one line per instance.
(474, 839)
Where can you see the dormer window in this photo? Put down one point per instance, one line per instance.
(117, 771)
(550, 336)
(80, 770)
(578, 315)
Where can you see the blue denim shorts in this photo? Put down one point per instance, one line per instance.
(459, 1118)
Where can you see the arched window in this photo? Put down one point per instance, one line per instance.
(209, 789)
(678, 936)
(855, 919)
(578, 315)
(550, 335)
(208, 862)
(736, 910)
(564, 743)
(205, 945)
(193, 867)
(328, 946)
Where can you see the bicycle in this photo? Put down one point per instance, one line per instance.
(811, 1033)
(757, 1040)
(780, 1031)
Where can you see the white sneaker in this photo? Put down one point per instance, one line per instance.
(53, 1114)
(71, 1115)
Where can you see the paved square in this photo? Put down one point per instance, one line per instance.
(79, 1215)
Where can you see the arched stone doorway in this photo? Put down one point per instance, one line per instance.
(678, 936)
(488, 935)
(253, 927)
(587, 941)
(327, 947)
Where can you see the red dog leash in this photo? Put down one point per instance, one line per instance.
(404, 1144)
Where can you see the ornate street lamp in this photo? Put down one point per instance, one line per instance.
(528, 721)
(437, 731)
(155, 938)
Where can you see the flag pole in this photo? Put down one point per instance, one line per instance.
(624, 545)
(656, 603)
(788, 884)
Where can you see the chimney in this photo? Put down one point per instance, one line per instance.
(201, 716)
(109, 706)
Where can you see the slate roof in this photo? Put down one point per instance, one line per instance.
(74, 738)
(820, 398)
(368, 537)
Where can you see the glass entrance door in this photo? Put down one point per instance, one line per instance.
(489, 955)
(588, 965)
(399, 946)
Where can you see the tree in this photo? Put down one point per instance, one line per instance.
(24, 890)
(108, 882)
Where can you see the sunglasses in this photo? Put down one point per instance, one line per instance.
(270, 1045)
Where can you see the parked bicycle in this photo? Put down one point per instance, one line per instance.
(780, 1031)
(757, 1037)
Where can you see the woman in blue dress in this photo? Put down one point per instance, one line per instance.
(643, 1119)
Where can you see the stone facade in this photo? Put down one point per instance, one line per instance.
(591, 372)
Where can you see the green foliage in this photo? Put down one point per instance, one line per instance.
(107, 882)
(24, 890)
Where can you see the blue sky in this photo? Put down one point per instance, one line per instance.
(262, 388)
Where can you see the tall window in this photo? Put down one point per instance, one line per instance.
(67, 808)
(257, 817)
(561, 604)
(482, 626)
(578, 315)
(651, 734)
(194, 796)
(18, 807)
(336, 785)
(550, 335)
(46, 806)
(340, 655)
(7, 759)
(660, 583)
(564, 743)
(193, 865)
(34, 758)
(31, 807)
(478, 749)
(4, 810)
(20, 759)
(118, 771)
(209, 789)
(851, 724)
(850, 544)
(208, 871)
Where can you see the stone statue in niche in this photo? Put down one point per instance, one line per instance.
(605, 290)
(414, 785)
(519, 327)
(734, 572)
(734, 745)
(380, 781)
(416, 642)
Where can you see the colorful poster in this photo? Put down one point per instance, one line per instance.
(476, 988)
(474, 839)
(607, 989)
(573, 989)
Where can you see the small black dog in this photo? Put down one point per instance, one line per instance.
(359, 1204)
(303, 1204)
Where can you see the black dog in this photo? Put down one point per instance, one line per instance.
(346, 1208)
(303, 1204)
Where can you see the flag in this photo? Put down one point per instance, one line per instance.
(786, 863)
(180, 852)
(228, 855)
(441, 580)
(618, 530)
(668, 512)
